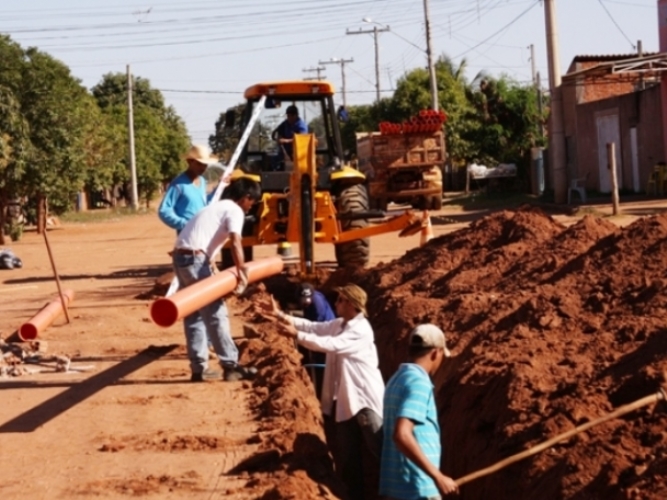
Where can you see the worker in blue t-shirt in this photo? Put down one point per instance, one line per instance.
(284, 134)
(315, 308)
(411, 445)
(186, 194)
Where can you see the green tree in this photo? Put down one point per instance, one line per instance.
(14, 147)
(175, 143)
(14, 143)
(509, 122)
(160, 134)
(53, 103)
(413, 94)
(112, 91)
(226, 135)
(105, 149)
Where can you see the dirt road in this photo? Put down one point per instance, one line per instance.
(133, 425)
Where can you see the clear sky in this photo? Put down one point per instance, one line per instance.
(202, 54)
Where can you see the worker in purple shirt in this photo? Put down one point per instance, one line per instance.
(315, 308)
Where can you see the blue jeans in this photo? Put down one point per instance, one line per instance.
(212, 319)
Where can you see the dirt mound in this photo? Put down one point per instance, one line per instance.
(551, 327)
(293, 461)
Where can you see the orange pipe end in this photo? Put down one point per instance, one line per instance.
(166, 311)
(47, 315)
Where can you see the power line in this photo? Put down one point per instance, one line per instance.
(634, 47)
(497, 32)
(202, 91)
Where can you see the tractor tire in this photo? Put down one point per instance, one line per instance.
(353, 253)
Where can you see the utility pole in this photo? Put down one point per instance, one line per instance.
(538, 86)
(532, 63)
(375, 32)
(429, 55)
(540, 110)
(611, 165)
(640, 53)
(312, 70)
(130, 130)
(556, 129)
(342, 61)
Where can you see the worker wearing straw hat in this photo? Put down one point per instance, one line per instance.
(353, 388)
(186, 194)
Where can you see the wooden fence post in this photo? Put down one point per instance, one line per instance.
(611, 164)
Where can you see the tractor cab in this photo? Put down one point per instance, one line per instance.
(290, 108)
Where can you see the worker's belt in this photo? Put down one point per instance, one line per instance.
(187, 251)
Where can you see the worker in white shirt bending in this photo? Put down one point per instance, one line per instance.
(353, 389)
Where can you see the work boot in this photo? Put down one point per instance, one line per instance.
(205, 375)
(238, 372)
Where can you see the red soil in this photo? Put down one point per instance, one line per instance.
(550, 327)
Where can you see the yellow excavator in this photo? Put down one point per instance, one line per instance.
(309, 194)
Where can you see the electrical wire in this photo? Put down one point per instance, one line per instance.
(634, 47)
(497, 32)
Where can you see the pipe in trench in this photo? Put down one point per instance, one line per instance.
(47, 315)
(166, 311)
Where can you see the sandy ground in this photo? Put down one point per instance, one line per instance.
(133, 425)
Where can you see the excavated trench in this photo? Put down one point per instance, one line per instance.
(550, 327)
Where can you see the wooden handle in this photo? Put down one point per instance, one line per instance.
(653, 398)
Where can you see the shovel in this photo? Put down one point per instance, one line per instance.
(661, 395)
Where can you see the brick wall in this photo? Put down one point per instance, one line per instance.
(603, 88)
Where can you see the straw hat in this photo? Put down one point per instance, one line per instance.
(200, 153)
(355, 295)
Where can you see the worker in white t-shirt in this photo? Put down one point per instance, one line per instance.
(195, 249)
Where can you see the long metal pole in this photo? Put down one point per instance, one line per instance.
(375, 32)
(429, 55)
(342, 62)
(377, 64)
(556, 129)
(130, 131)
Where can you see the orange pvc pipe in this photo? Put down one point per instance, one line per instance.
(46, 316)
(166, 311)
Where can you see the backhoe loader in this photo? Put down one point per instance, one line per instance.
(309, 194)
